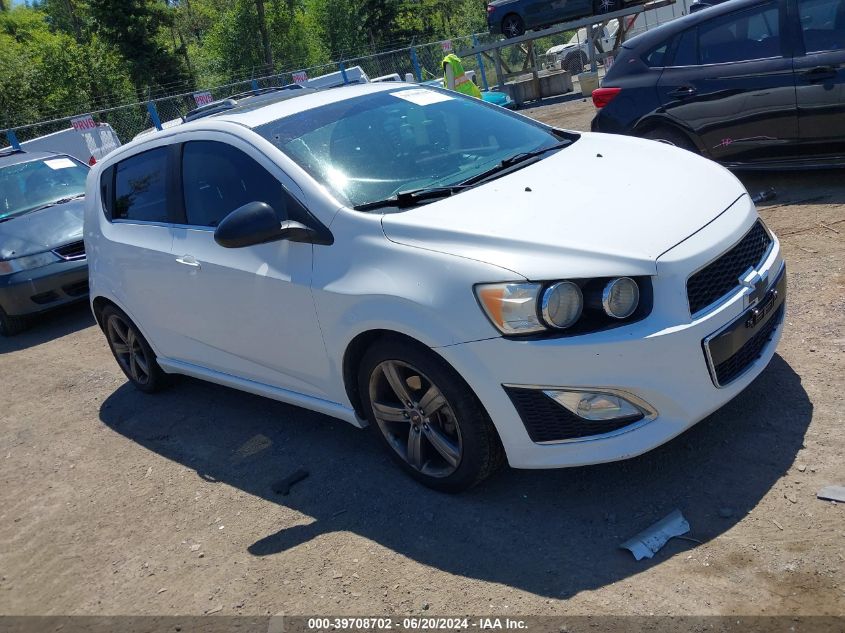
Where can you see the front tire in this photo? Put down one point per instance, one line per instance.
(430, 420)
(131, 351)
(575, 63)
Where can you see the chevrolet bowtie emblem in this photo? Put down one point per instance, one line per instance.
(755, 282)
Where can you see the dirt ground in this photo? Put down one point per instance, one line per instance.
(113, 502)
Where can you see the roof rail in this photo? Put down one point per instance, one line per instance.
(208, 109)
(11, 150)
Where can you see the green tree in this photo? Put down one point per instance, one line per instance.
(139, 30)
(47, 74)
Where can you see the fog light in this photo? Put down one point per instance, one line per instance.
(600, 406)
(620, 298)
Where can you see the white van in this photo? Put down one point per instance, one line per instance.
(88, 146)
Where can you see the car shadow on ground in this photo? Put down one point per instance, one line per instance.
(49, 326)
(553, 533)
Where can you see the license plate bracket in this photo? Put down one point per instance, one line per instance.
(723, 344)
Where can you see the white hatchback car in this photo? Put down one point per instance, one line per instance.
(439, 268)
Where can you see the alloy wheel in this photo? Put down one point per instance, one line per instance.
(512, 27)
(127, 348)
(415, 418)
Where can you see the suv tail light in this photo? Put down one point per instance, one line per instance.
(603, 96)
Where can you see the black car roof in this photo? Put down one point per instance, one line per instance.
(663, 32)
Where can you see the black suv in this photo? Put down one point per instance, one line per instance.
(749, 83)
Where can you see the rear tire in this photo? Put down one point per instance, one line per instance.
(444, 439)
(600, 7)
(11, 325)
(512, 26)
(672, 137)
(131, 351)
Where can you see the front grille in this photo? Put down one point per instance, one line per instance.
(718, 278)
(547, 421)
(75, 250)
(729, 370)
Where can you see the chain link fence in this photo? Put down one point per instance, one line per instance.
(422, 62)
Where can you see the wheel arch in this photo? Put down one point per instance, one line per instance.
(100, 302)
(516, 15)
(354, 354)
(652, 123)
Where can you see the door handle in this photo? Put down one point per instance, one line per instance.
(820, 73)
(189, 260)
(683, 91)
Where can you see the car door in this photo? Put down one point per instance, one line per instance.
(247, 312)
(730, 82)
(820, 76)
(137, 196)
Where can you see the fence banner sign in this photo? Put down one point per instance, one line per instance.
(300, 77)
(446, 45)
(81, 123)
(203, 98)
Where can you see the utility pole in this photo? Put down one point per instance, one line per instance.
(265, 39)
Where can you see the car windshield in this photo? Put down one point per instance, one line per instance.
(372, 147)
(35, 184)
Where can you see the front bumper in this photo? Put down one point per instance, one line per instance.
(660, 360)
(39, 289)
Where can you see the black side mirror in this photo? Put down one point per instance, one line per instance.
(256, 223)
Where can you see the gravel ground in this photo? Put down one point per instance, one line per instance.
(113, 502)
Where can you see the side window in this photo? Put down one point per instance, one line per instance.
(741, 36)
(141, 187)
(822, 24)
(686, 53)
(217, 179)
(656, 57)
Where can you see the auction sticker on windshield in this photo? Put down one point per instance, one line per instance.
(421, 96)
(59, 163)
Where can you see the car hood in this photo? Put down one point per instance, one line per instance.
(42, 230)
(606, 205)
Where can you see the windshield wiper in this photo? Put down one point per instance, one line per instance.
(523, 156)
(513, 161)
(405, 199)
(413, 197)
(55, 203)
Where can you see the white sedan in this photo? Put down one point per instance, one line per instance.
(472, 284)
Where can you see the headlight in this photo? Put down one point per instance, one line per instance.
(569, 307)
(620, 297)
(512, 308)
(9, 266)
(562, 304)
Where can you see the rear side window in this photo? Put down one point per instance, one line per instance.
(141, 187)
(822, 24)
(741, 36)
(686, 53)
(218, 178)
